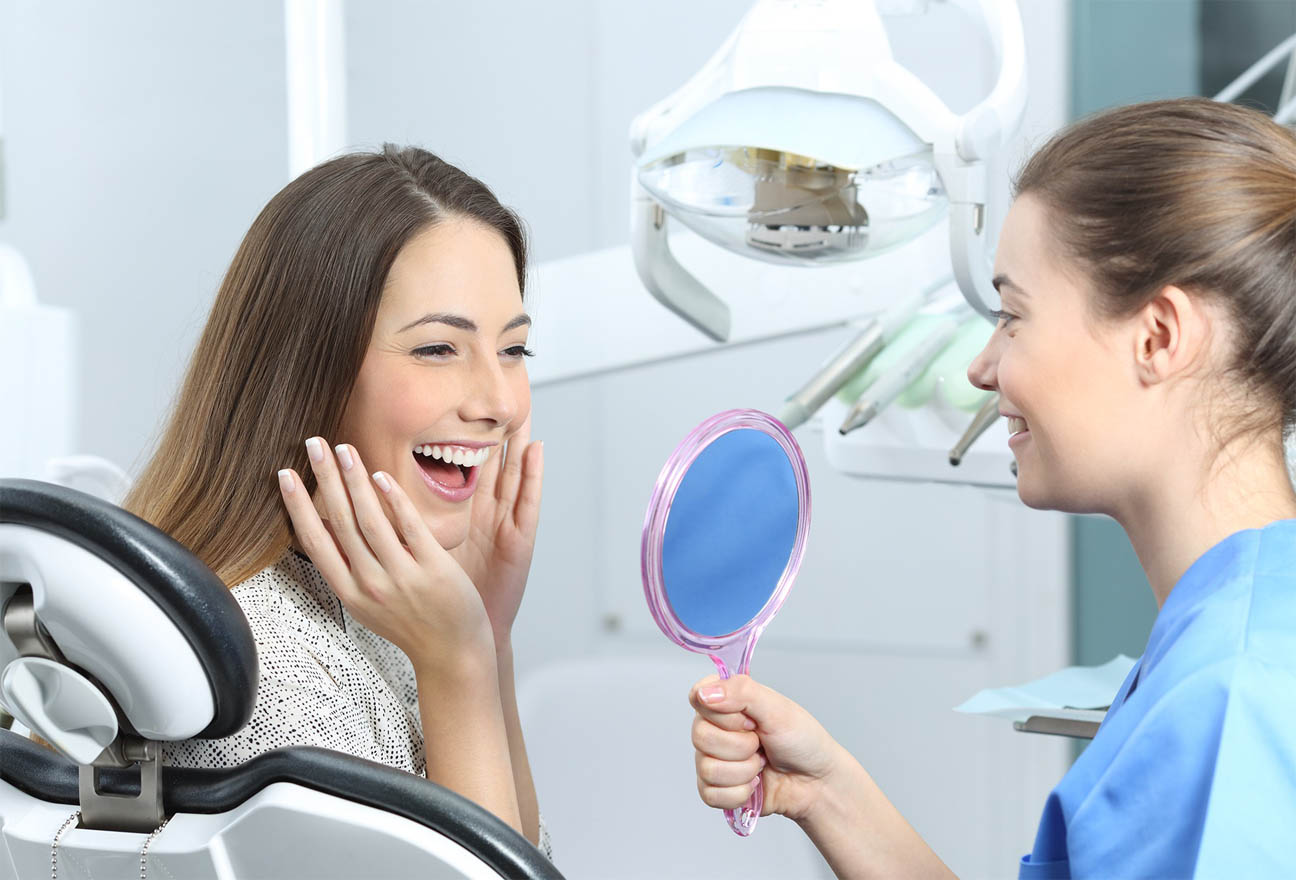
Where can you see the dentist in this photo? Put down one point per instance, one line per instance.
(1146, 360)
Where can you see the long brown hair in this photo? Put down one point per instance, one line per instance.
(284, 343)
(1191, 193)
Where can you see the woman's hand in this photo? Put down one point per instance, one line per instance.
(501, 537)
(743, 729)
(413, 593)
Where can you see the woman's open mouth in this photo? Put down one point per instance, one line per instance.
(450, 471)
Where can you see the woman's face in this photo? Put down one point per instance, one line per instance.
(1066, 378)
(444, 372)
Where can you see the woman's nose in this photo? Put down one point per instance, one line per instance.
(983, 371)
(490, 397)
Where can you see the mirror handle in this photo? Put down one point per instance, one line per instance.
(737, 655)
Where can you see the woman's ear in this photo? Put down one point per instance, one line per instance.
(1170, 333)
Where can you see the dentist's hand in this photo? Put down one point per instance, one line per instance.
(501, 537)
(809, 777)
(738, 719)
(413, 594)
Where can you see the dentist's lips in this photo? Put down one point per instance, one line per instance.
(1017, 428)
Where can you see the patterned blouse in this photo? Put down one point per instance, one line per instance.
(326, 681)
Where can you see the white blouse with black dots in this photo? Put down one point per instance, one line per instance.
(326, 681)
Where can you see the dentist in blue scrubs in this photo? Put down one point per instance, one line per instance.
(1145, 357)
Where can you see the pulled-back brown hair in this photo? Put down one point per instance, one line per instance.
(284, 343)
(1191, 193)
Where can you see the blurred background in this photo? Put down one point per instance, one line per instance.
(140, 139)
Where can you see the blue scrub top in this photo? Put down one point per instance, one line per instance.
(1193, 772)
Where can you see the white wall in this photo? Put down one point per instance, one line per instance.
(141, 140)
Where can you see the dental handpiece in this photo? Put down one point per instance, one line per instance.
(985, 417)
(890, 385)
(847, 363)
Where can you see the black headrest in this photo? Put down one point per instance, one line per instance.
(185, 589)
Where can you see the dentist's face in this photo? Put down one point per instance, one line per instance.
(1069, 395)
(444, 371)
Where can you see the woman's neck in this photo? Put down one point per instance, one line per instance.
(1190, 508)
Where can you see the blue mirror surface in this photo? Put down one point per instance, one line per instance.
(730, 532)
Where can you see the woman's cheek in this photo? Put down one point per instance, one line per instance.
(522, 394)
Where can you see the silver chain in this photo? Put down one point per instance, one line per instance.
(147, 843)
(67, 823)
(58, 836)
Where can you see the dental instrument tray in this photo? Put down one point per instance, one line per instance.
(1070, 702)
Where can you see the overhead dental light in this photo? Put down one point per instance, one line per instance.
(803, 141)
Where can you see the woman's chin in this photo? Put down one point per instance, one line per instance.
(449, 527)
(449, 531)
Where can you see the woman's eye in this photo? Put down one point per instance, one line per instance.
(434, 351)
(519, 351)
(1003, 318)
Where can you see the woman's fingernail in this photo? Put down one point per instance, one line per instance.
(711, 694)
(381, 479)
(286, 481)
(344, 456)
(315, 449)
(749, 724)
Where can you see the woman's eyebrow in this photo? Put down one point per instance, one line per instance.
(456, 321)
(519, 321)
(1005, 281)
(461, 323)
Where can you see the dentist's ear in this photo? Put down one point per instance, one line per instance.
(1170, 334)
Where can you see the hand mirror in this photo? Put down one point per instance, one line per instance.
(722, 541)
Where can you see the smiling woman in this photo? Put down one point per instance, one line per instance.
(377, 301)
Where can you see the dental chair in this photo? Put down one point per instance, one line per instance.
(115, 639)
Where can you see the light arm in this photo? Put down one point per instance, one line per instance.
(668, 281)
(983, 130)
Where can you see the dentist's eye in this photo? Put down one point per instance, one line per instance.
(519, 351)
(434, 351)
(1003, 318)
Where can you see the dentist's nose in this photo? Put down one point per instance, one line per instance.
(983, 372)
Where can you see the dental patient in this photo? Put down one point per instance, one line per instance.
(350, 453)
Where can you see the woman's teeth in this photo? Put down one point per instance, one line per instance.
(454, 454)
(1015, 425)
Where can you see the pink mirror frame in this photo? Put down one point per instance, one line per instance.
(731, 652)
